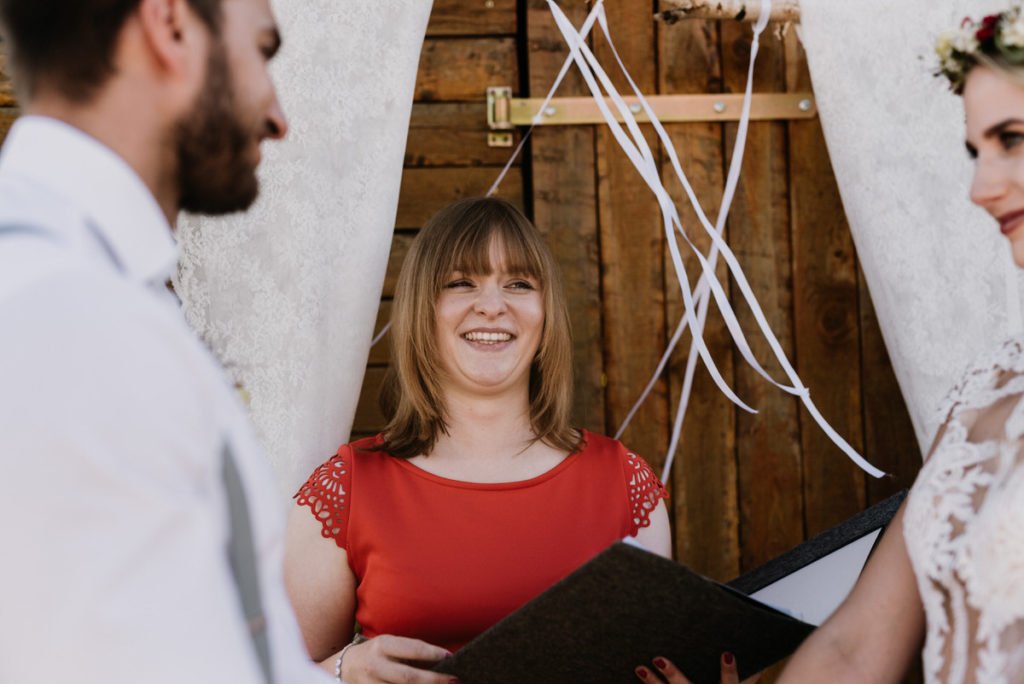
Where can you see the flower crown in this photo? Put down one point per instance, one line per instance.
(997, 37)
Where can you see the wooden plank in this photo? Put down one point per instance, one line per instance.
(7, 117)
(826, 322)
(889, 440)
(400, 244)
(472, 17)
(632, 240)
(6, 86)
(453, 134)
(703, 481)
(768, 443)
(425, 191)
(380, 353)
(368, 417)
(564, 199)
(462, 68)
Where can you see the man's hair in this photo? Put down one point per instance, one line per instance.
(69, 46)
(459, 238)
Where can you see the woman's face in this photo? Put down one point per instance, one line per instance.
(489, 329)
(994, 112)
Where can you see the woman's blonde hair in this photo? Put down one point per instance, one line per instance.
(459, 238)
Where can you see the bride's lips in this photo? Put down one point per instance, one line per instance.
(1010, 222)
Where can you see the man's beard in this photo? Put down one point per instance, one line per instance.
(214, 174)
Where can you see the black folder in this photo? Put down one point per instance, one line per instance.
(626, 606)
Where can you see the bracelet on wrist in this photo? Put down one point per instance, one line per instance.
(358, 639)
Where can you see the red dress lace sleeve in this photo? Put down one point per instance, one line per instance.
(645, 490)
(326, 494)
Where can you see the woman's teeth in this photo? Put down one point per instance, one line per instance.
(488, 337)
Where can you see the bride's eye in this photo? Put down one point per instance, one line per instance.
(1010, 139)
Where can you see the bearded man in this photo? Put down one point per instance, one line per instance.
(140, 527)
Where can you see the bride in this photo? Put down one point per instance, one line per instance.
(950, 570)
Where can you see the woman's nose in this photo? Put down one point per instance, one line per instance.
(990, 181)
(491, 301)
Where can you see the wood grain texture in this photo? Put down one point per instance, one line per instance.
(7, 98)
(369, 419)
(7, 117)
(632, 241)
(889, 440)
(380, 353)
(453, 134)
(564, 209)
(768, 443)
(472, 17)
(425, 191)
(461, 69)
(826, 323)
(703, 480)
(400, 243)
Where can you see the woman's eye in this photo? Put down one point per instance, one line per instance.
(521, 285)
(1011, 139)
(460, 282)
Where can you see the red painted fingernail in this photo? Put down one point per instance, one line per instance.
(453, 680)
(728, 658)
(641, 672)
(660, 663)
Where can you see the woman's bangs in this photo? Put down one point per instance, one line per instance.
(519, 256)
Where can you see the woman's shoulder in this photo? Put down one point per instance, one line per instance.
(592, 443)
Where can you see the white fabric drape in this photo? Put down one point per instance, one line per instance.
(936, 265)
(287, 294)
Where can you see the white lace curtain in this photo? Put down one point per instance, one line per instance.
(936, 265)
(287, 294)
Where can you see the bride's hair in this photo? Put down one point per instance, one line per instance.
(460, 238)
(996, 41)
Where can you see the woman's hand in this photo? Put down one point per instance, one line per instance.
(393, 659)
(730, 675)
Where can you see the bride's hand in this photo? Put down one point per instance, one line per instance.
(730, 675)
(387, 658)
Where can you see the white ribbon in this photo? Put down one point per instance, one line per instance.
(635, 146)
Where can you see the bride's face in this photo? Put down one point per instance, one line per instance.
(994, 112)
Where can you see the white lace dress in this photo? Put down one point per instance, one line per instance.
(964, 527)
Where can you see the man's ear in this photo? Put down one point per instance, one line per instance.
(168, 26)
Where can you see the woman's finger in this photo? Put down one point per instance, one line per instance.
(730, 675)
(669, 671)
(403, 648)
(400, 673)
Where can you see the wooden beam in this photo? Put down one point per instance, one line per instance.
(566, 111)
(738, 10)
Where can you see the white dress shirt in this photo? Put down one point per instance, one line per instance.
(114, 420)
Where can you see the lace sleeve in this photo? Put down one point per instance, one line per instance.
(644, 488)
(326, 493)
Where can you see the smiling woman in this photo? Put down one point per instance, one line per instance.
(478, 495)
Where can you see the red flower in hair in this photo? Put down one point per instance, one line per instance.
(987, 30)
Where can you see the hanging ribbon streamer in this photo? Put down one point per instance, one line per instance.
(635, 147)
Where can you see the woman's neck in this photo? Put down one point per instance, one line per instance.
(496, 426)
(489, 439)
